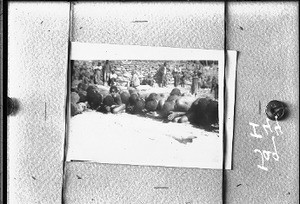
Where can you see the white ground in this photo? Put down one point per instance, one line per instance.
(132, 139)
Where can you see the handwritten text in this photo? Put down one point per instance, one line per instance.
(266, 155)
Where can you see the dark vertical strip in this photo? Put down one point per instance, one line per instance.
(67, 106)
(45, 111)
(224, 105)
(3, 111)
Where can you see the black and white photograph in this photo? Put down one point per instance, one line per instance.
(146, 112)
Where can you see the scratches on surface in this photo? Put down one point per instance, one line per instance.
(139, 21)
(161, 187)
(45, 111)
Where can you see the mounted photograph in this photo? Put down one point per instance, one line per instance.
(146, 108)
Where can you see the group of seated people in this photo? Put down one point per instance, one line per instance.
(176, 107)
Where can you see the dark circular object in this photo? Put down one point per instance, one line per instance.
(139, 106)
(152, 96)
(276, 109)
(133, 99)
(167, 108)
(108, 100)
(125, 97)
(113, 89)
(10, 106)
(151, 105)
(175, 91)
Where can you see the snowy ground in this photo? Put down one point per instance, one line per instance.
(131, 139)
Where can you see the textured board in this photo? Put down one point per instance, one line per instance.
(264, 34)
(267, 38)
(182, 25)
(37, 67)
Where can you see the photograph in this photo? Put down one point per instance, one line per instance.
(146, 112)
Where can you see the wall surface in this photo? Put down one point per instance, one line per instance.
(37, 67)
(266, 36)
(197, 25)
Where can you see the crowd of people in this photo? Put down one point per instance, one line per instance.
(86, 94)
(175, 107)
(105, 74)
(99, 74)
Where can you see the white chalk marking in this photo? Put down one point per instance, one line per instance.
(268, 126)
(254, 134)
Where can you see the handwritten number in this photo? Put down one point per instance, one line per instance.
(266, 155)
(262, 160)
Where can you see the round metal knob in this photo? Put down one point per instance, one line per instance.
(276, 110)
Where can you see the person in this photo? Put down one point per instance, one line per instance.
(98, 77)
(214, 87)
(176, 75)
(112, 103)
(135, 81)
(200, 76)
(207, 81)
(85, 77)
(160, 106)
(125, 95)
(136, 104)
(112, 78)
(195, 84)
(154, 102)
(75, 83)
(91, 75)
(106, 72)
(144, 81)
(77, 107)
(176, 102)
(164, 74)
(97, 65)
(93, 97)
(183, 79)
(81, 90)
(148, 80)
(203, 112)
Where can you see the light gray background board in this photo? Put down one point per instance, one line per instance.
(184, 25)
(106, 183)
(264, 34)
(165, 24)
(37, 68)
(267, 38)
